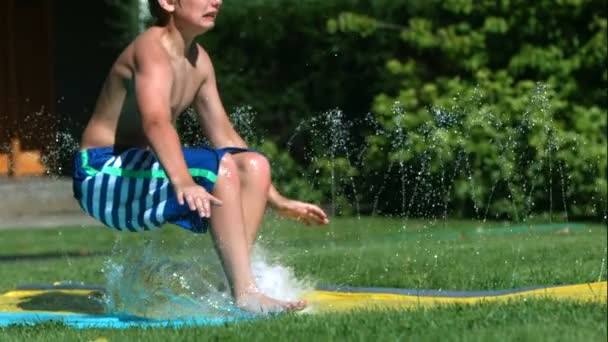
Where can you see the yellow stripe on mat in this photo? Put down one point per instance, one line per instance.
(325, 301)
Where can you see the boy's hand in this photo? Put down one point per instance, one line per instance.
(305, 212)
(197, 198)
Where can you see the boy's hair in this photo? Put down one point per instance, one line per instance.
(158, 13)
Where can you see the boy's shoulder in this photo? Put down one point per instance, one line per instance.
(152, 37)
(151, 40)
(148, 47)
(202, 56)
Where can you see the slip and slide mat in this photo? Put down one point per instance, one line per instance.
(79, 306)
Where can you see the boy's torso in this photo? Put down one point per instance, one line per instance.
(116, 120)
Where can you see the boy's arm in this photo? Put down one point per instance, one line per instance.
(153, 80)
(220, 132)
(211, 113)
(305, 212)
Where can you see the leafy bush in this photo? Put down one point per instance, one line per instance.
(474, 126)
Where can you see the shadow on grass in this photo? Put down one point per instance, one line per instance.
(57, 301)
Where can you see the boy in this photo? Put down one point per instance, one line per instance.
(132, 173)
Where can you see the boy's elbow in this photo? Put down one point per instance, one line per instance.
(152, 125)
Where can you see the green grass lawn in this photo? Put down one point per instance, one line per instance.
(452, 255)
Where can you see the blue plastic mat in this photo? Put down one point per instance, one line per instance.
(106, 321)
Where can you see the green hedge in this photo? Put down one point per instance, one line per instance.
(500, 109)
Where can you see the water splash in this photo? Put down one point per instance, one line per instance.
(602, 271)
(190, 131)
(276, 280)
(154, 283)
(151, 283)
(243, 120)
(55, 159)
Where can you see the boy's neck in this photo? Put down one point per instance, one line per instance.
(179, 42)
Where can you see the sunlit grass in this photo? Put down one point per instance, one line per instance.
(458, 255)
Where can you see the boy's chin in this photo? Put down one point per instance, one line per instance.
(198, 27)
(205, 27)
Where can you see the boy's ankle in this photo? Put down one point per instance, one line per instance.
(245, 291)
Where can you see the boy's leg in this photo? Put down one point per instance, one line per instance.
(229, 233)
(254, 174)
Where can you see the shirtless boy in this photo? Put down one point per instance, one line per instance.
(133, 174)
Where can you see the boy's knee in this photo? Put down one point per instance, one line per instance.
(228, 168)
(253, 166)
(257, 163)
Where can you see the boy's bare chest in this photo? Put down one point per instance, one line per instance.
(186, 83)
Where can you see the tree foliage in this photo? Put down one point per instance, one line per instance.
(501, 105)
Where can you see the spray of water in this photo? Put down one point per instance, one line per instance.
(277, 280)
(156, 286)
(151, 281)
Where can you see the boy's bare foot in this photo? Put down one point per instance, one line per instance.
(257, 302)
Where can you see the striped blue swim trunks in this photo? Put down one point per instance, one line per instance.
(128, 189)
